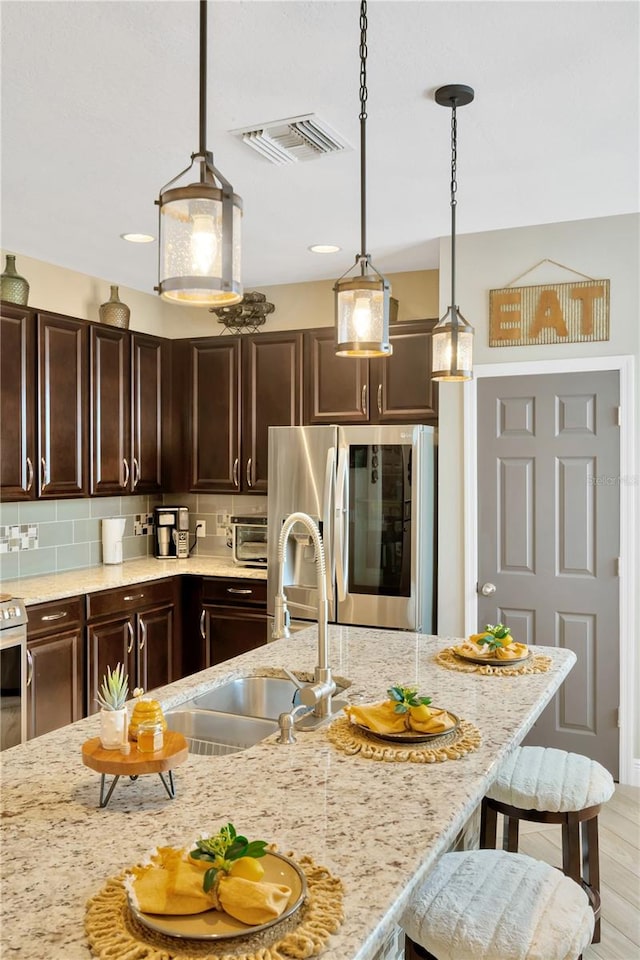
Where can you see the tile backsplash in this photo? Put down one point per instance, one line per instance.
(49, 536)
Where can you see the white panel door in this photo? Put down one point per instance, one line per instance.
(548, 539)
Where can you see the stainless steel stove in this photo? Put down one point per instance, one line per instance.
(13, 671)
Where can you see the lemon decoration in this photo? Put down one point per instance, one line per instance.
(247, 869)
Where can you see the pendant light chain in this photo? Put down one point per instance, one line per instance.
(363, 136)
(203, 88)
(454, 190)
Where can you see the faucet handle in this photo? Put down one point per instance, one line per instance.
(298, 683)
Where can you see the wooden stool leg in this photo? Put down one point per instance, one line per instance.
(571, 854)
(591, 866)
(488, 826)
(511, 834)
(413, 951)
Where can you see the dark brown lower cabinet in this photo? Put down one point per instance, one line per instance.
(224, 617)
(55, 671)
(137, 626)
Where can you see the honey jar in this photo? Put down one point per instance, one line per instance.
(150, 736)
(145, 710)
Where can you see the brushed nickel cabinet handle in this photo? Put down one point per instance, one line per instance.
(379, 398)
(125, 464)
(244, 593)
(202, 618)
(363, 401)
(54, 616)
(135, 596)
(29, 667)
(143, 631)
(43, 473)
(29, 474)
(136, 473)
(236, 482)
(249, 481)
(130, 629)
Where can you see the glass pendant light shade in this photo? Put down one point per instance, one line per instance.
(195, 242)
(362, 317)
(452, 346)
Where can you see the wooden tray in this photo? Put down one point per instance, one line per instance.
(174, 752)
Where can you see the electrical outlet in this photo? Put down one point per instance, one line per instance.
(201, 528)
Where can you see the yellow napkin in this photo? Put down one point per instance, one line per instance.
(511, 651)
(172, 884)
(378, 717)
(252, 901)
(381, 718)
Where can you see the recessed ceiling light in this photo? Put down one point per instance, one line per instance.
(138, 237)
(324, 248)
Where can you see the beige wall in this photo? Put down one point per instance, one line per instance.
(297, 304)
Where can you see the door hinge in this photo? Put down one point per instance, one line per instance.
(617, 566)
(618, 416)
(618, 723)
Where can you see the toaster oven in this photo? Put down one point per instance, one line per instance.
(249, 540)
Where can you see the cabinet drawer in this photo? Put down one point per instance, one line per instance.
(245, 592)
(135, 597)
(54, 616)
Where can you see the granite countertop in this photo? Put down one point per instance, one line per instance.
(56, 586)
(379, 826)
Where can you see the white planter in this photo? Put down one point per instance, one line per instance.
(113, 728)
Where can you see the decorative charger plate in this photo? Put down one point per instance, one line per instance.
(214, 925)
(410, 736)
(492, 661)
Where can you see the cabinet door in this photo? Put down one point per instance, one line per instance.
(17, 415)
(271, 397)
(109, 410)
(402, 389)
(146, 413)
(155, 667)
(215, 415)
(232, 632)
(336, 388)
(55, 678)
(109, 643)
(62, 407)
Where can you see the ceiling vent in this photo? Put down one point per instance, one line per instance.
(297, 138)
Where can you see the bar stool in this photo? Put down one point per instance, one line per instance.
(493, 905)
(545, 785)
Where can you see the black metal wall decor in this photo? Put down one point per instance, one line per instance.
(246, 316)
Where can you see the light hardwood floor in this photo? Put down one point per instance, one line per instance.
(619, 829)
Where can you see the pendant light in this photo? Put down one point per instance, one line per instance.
(362, 299)
(452, 336)
(200, 223)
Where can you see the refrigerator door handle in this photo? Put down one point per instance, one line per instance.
(340, 525)
(327, 519)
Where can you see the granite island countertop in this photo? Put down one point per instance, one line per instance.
(71, 583)
(378, 826)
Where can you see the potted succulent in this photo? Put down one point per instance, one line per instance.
(112, 697)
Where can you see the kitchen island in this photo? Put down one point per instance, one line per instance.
(378, 826)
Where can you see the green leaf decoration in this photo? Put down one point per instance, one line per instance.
(406, 697)
(222, 849)
(209, 879)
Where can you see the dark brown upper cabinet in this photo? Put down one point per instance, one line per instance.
(17, 404)
(239, 387)
(125, 412)
(395, 389)
(61, 468)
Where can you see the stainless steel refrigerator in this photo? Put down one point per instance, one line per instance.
(371, 491)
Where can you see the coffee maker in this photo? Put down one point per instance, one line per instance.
(171, 533)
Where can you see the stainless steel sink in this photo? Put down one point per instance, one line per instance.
(265, 697)
(216, 734)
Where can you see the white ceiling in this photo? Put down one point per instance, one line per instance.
(100, 109)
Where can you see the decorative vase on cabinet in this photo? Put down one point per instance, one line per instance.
(114, 311)
(13, 287)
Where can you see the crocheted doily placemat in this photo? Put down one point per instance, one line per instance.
(450, 746)
(114, 932)
(537, 664)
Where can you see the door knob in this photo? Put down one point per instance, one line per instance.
(488, 589)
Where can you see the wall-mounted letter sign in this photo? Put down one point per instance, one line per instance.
(549, 313)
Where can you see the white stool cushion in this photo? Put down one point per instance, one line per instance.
(493, 905)
(542, 778)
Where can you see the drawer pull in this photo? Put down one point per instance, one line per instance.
(54, 616)
(130, 629)
(244, 593)
(29, 668)
(135, 596)
(202, 619)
